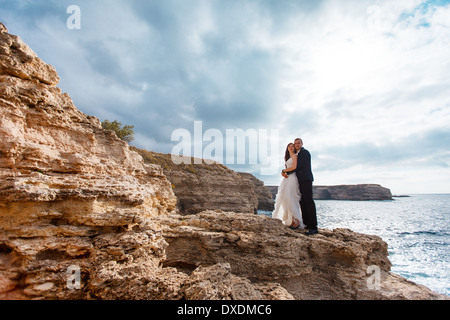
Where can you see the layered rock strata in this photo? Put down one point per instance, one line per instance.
(335, 264)
(264, 195)
(200, 187)
(71, 193)
(358, 192)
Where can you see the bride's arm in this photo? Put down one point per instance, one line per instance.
(294, 164)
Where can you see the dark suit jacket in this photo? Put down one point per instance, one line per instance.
(303, 170)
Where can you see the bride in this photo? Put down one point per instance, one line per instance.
(287, 203)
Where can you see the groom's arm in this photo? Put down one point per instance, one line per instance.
(300, 161)
(292, 168)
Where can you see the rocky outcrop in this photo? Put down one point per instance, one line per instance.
(19, 61)
(71, 193)
(273, 190)
(84, 217)
(200, 187)
(359, 192)
(332, 265)
(264, 195)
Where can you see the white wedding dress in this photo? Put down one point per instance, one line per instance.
(287, 202)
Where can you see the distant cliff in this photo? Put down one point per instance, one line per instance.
(264, 195)
(200, 187)
(352, 192)
(358, 192)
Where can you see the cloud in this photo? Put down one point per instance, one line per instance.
(364, 83)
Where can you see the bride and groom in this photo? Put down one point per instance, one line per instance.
(294, 204)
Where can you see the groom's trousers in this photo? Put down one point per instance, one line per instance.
(307, 204)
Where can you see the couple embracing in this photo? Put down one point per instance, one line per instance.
(294, 202)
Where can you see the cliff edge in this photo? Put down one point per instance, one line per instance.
(71, 193)
(84, 217)
(200, 187)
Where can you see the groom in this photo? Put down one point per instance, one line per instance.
(305, 180)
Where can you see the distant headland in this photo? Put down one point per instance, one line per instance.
(358, 192)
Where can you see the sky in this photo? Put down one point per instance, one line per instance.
(364, 83)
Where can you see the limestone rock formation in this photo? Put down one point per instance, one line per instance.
(360, 192)
(273, 190)
(264, 195)
(18, 60)
(200, 187)
(331, 265)
(71, 193)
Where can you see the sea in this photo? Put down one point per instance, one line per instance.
(416, 229)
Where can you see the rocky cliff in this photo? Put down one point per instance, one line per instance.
(71, 193)
(359, 192)
(84, 217)
(263, 194)
(200, 187)
(332, 265)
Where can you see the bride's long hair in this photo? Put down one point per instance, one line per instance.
(287, 154)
